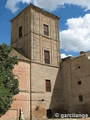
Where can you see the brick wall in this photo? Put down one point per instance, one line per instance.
(22, 100)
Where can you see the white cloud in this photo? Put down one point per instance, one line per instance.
(50, 5)
(13, 4)
(63, 55)
(53, 4)
(77, 37)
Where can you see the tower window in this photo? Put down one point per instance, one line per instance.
(46, 56)
(48, 85)
(46, 29)
(20, 31)
(79, 67)
(80, 98)
(79, 82)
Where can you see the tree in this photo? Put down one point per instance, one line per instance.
(8, 83)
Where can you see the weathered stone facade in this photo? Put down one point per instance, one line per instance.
(75, 77)
(69, 77)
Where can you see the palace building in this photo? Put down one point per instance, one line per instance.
(47, 83)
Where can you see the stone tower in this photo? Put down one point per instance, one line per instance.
(35, 33)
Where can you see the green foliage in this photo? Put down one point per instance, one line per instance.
(8, 83)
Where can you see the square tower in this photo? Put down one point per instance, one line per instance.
(36, 33)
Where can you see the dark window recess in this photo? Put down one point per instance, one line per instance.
(79, 67)
(60, 66)
(49, 113)
(79, 82)
(46, 29)
(46, 56)
(80, 98)
(48, 85)
(20, 31)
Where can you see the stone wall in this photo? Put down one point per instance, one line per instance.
(75, 77)
(42, 100)
(33, 41)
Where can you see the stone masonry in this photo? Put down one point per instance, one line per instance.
(47, 83)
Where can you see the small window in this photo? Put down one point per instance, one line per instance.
(48, 85)
(46, 56)
(79, 82)
(79, 67)
(20, 31)
(80, 98)
(46, 29)
(49, 113)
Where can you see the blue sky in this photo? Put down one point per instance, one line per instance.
(74, 24)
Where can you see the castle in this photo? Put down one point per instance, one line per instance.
(47, 83)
